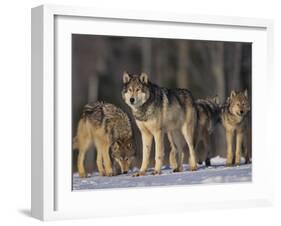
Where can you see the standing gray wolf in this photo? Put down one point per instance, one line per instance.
(235, 119)
(106, 127)
(159, 110)
(208, 116)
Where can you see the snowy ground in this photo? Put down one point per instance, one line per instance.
(217, 173)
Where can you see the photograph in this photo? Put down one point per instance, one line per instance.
(160, 112)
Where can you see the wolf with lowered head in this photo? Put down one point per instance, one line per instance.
(109, 129)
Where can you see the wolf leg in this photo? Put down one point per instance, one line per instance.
(82, 142)
(159, 151)
(239, 142)
(176, 155)
(173, 152)
(247, 156)
(207, 143)
(146, 148)
(116, 168)
(192, 155)
(199, 151)
(103, 146)
(229, 143)
(100, 164)
(188, 131)
(83, 146)
(80, 163)
(246, 148)
(107, 161)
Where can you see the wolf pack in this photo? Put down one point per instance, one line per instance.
(160, 112)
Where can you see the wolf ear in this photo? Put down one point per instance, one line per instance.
(144, 78)
(115, 146)
(216, 99)
(232, 94)
(246, 93)
(126, 77)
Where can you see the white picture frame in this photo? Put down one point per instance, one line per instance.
(52, 197)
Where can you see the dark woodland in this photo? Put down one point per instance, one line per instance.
(206, 68)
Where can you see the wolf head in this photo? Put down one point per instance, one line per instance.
(123, 153)
(239, 103)
(214, 100)
(135, 89)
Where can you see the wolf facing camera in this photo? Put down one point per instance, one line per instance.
(235, 119)
(157, 111)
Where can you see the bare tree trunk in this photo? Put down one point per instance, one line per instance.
(217, 67)
(217, 55)
(235, 79)
(159, 63)
(93, 85)
(146, 55)
(183, 64)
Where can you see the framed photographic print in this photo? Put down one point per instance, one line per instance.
(155, 112)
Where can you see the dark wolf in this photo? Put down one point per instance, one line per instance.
(208, 111)
(109, 129)
(235, 119)
(157, 111)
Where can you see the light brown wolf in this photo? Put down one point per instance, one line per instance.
(106, 127)
(235, 119)
(157, 111)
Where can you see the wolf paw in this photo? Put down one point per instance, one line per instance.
(237, 163)
(207, 162)
(228, 164)
(178, 169)
(102, 174)
(193, 168)
(156, 172)
(82, 175)
(140, 173)
(109, 174)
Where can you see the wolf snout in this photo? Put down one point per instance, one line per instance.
(132, 100)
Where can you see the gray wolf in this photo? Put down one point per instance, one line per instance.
(235, 119)
(208, 114)
(157, 111)
(109, 129)
(208, 111)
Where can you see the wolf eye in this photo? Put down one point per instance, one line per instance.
(130, 90)
(137, 90)
(120, 158)
(126, 159)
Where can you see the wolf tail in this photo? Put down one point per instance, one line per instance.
(75, 143)
(84, 136)
(91, 118)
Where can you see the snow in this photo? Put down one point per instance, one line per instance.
(217, 173)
